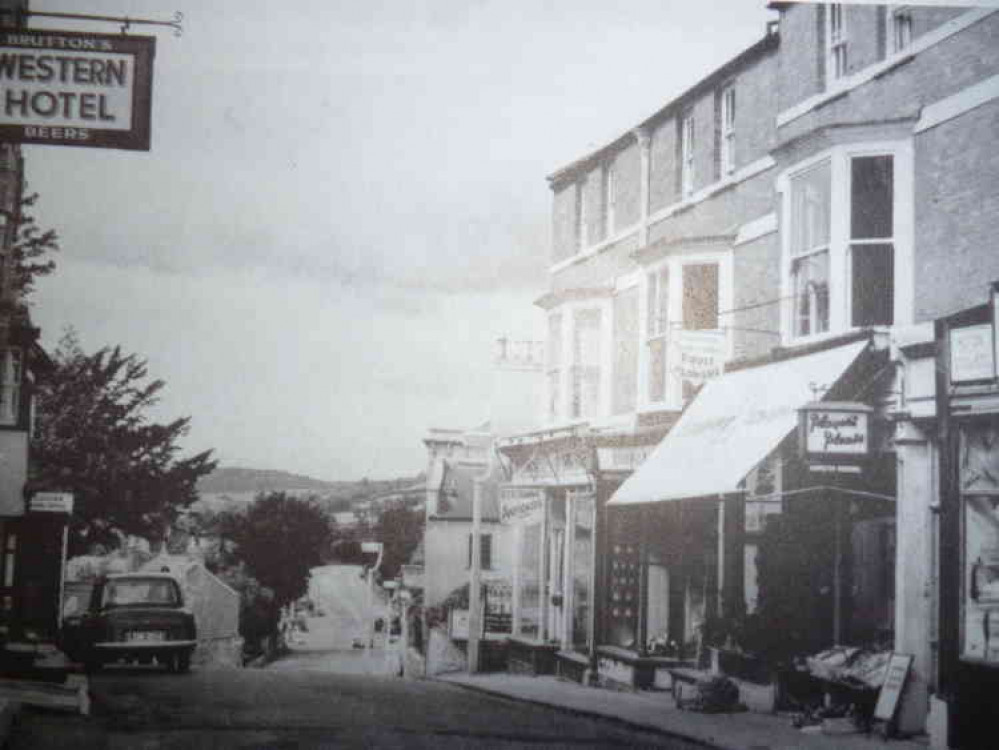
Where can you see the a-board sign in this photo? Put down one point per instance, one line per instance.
(896, 674)
(521, 506)
(76, 89)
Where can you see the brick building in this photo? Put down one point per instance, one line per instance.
(791, 225)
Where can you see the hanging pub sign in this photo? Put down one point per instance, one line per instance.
(76, 89)
(835, 431)
(521, 507)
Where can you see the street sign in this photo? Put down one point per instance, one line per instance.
(51, 502)
(76, 89)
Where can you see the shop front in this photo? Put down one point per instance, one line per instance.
(968, 405)
(700, 535)
(553, 499)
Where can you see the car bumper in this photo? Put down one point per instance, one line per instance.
(118, 646)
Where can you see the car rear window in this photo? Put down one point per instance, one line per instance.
(141, 591)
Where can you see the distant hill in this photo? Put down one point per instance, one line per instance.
(240, 485)
(240, 481)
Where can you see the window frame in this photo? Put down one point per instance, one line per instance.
(654, 331)
(841, 242)
(898, 19)
(608, 197)
(726, 121)
(687, 145)
(11, 382)
(837, 44)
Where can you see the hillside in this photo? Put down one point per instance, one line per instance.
(243, 484)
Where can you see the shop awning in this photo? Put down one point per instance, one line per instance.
(733, 423)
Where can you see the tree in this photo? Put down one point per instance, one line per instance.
(30, 250)
(280, 538)
(94, 438)
(400, 530)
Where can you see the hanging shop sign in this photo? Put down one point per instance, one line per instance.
(699, 356)
(51, 502)
(521, 507)
(972, 354)
(835, 431)
(76, 89)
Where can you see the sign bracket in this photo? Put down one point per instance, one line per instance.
(125, 23)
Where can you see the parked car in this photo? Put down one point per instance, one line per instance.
(132, 616)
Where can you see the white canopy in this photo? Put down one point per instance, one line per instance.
(731, 425)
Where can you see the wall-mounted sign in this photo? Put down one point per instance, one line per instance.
(623, 459)
(51, 502)
(76, 89)
(521, 507)
(699, 355)
(835, 431)
(972, 353)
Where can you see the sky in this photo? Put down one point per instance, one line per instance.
(344, 205)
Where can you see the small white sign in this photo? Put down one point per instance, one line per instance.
(521, 506)
(51, 502)
(623, 459)
(972, 353)
(699, 355)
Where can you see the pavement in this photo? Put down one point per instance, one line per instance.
(658, 712)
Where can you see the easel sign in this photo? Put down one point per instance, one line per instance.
(896, 673)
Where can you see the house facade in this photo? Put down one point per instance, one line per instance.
(782, 233)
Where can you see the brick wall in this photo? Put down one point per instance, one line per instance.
(593, 195)
(957, 212)
(865, 32)
(663, 181)
(563, 222)
(627, 186)
(799, 74)
(600, 269)
(756, 268)
(755, 107)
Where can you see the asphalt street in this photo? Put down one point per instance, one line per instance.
(324, 694)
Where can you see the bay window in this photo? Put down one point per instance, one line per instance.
(553, 370)
(841, 240)
(585, 385)
(657, 323)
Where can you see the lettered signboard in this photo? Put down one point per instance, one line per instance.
(76, 89)
(896, 673)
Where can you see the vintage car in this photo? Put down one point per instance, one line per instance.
(132, 616)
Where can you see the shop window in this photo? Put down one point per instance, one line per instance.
(842, 262)
(530, 590)
(978, 465)
(837, 64)
(554, 366)
(10, 385)
(9, 558)
(485, 551)
(585, 402)
(625, 351)
(583, 515)
(658, 327)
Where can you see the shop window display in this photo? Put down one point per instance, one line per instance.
(529, 621)
(979, 476)
(583, 508)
